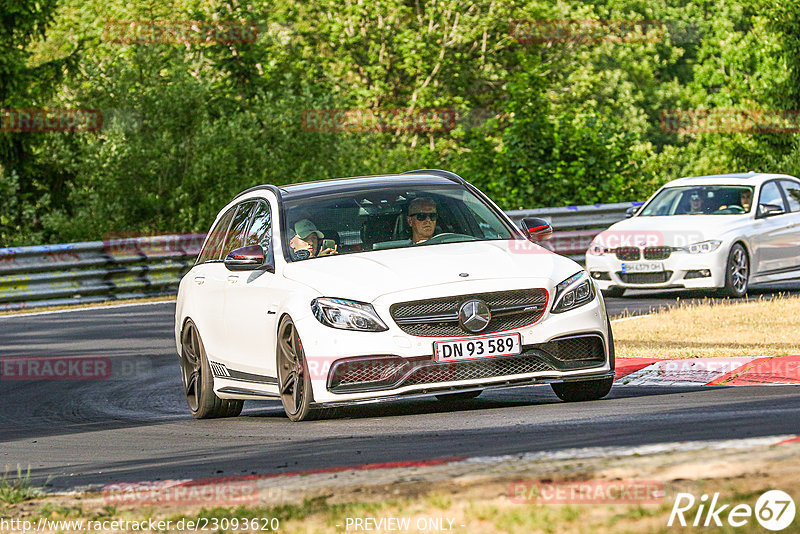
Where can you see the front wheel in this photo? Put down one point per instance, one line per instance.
(584, 390)
(737, 272)
(293, 377)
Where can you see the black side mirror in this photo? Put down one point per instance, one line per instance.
(630, 212)
(536, 229)
(248, 258)
(769, 210)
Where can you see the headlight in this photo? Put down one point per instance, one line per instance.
(573, 292)
(596, 249)
(703, 247)
(347, 315)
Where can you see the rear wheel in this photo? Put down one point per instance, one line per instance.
(459, 396)
(293, 377)
(584, 390)
(737, 272)
(198, 382)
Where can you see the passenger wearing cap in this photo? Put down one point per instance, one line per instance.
(306, 241)
(695, 204)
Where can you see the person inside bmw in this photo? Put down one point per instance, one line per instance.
(307, 241)
(422, 219)
(695, 204)
(746, 199)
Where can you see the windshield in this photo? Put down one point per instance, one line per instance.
(390, 217)
(700, 200)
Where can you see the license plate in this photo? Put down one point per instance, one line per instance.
(643, 267)
(477, 347)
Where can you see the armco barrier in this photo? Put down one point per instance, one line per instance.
(97, 271)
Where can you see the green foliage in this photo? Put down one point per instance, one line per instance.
(19, 489)
(187, 126)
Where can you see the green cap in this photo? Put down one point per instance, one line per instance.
(304, 228)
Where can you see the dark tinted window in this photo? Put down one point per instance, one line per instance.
(237, 233)
(771, 194)
(792, 190)
(260, 232)
(216, 237)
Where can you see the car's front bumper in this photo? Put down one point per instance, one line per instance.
(414, 370)
(679, 270)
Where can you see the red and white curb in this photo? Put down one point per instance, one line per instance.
(736, 371)
(286, 487)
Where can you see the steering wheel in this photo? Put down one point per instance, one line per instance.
(447, 237)
(732, 209)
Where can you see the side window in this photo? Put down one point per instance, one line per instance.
(792, 190)
(215, 238)
(260, 232)
(236, 235)
(771, 194)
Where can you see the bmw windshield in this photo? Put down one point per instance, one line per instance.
(388, 217)
(700, 200)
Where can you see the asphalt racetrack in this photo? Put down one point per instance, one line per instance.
(134, 425)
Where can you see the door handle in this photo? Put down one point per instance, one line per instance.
(199, 280)
(232, 279)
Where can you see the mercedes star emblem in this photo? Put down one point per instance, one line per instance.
(474, 315)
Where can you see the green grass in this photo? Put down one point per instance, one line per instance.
(19, 489)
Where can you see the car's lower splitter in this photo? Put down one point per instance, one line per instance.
(386, 372)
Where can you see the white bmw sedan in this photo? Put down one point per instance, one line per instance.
(720, 232)
(347, 291)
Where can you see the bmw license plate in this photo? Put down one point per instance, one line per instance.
(477, 347)
(643, 267)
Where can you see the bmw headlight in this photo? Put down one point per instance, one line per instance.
(347, 315)
(573, 292)
(703, 247)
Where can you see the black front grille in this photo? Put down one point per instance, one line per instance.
(657, 253)
(589, 347)
(474, 369)
(645, 278)
(390, 372)
(628, 253)
(411, 316)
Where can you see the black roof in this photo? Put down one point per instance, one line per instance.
(343, 185)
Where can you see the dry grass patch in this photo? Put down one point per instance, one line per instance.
(712, 329)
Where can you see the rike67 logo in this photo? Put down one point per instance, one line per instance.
(774, 510)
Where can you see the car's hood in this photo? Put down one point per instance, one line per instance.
(368, 275)
(674, 230)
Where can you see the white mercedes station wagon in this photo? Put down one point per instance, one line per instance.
(354, 290)
(719, 232)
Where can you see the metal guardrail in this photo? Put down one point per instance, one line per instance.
(133, 267)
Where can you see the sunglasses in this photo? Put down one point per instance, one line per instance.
(421, 216)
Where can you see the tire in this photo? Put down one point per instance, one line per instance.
(737, 273)
(198, 381)
(614, 292)
(294, 382)
(585, 390)
(459, 396)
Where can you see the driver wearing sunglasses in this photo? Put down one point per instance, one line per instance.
(422, 219)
